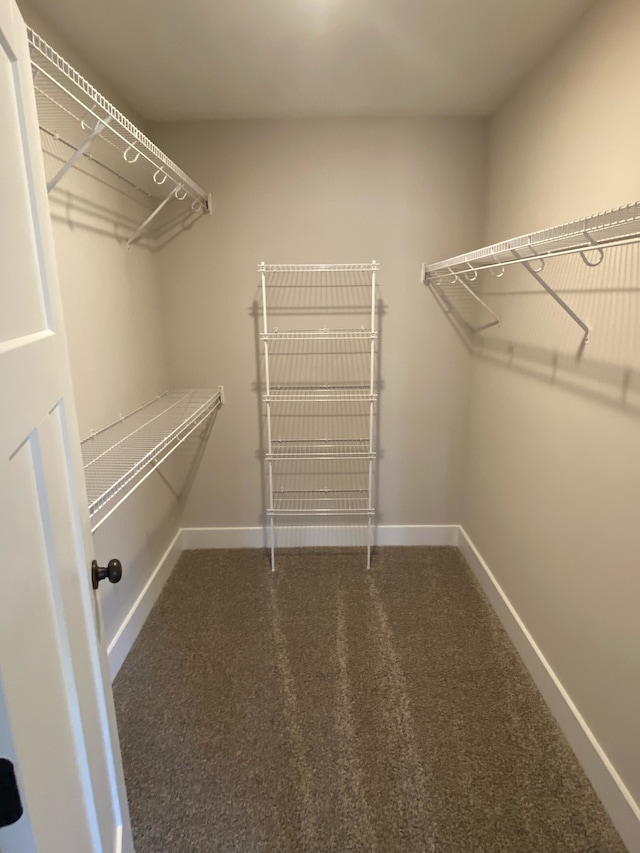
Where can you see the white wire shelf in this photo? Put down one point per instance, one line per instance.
(588, 237)
(458, 298)
(72, 111)
(321, 502)
(118, 457)
(320, 448)
(370, 267)
(351, 393)
(319, 335)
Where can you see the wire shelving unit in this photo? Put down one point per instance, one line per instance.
(92, 131)
(310, 473)
(452, 280)
(118, 458)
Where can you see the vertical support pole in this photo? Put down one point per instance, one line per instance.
(265, 327)
(371, 413)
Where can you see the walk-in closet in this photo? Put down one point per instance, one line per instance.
(320, 434)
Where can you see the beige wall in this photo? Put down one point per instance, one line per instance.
(553, 495)
(115, 339)
(334, 191)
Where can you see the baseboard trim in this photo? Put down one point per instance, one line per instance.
(615, 796)
(196, 538)
(125, 637)
(318, 535)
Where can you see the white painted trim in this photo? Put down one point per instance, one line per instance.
(125, 636)
(616, 797)
(195, 538)
(417, 534)
(256, 537)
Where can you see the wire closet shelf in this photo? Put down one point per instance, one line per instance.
(118, 458)
(318, 335)
(310, 407)
(74, 113)
(453, 278)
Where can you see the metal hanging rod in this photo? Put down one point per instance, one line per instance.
(318, 267)
(71, 108)
(587, 237)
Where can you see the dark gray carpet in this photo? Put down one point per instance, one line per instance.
(327, 708)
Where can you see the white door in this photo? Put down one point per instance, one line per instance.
(56, 708)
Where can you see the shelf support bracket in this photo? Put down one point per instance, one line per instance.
(97, 130)
(536, 274)
(173, 194)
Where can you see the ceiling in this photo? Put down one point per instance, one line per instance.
(206, 59)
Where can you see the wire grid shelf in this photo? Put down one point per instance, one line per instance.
(70, 108)
(586, 236)
(279, 279)
(457, 298)
(319, 335)
(334, 394)
(293, 268)
(118, 454)
(320, 448)
(321, 502)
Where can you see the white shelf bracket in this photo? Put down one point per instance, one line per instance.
(536, 273)
(82, 149)
(175, 193)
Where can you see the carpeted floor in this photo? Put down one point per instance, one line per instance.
(326, 708)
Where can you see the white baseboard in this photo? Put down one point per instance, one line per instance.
(319, 535)
(615, 796)
(195, 538)
(125, 637)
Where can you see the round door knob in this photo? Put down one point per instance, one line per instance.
(113, 572)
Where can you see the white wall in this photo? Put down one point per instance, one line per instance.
(553, 496)
(325, 191)
(115, 339)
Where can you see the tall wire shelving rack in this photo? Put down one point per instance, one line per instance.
(341, 381)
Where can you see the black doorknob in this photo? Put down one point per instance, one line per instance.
(113, 571)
